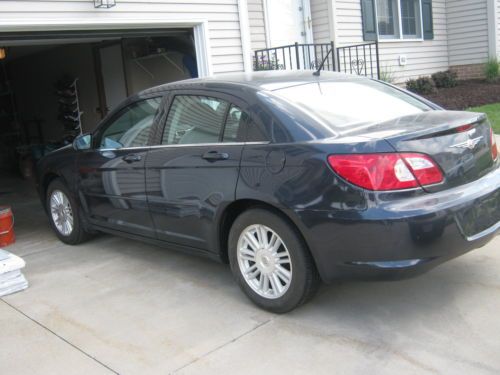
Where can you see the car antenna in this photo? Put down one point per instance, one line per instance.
(317, 73)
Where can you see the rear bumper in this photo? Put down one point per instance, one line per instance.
(400, 239)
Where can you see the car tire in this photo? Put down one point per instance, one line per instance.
(276, 277)
(61, 205)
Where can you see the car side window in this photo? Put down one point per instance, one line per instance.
(194, 119)
(132, 127)
(235, 125)
(256, 132)
(241, 128)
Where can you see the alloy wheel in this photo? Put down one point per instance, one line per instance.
(264, 261)
(61, 212)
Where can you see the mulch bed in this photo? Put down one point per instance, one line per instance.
(467, 94)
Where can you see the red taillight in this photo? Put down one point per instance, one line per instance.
(464, 128)
(388, 171)
(494, 149)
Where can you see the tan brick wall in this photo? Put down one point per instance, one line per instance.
(473, 71)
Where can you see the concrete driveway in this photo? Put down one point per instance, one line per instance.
(118, 306)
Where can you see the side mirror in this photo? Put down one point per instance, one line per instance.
(83, 142)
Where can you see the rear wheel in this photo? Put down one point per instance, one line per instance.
(271, 262)
(64, 214)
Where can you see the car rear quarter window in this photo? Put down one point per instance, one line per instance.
(342, 103)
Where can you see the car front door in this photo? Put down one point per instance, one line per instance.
(112, 176)
(192, 174)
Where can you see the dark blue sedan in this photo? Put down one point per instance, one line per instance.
(291, 178)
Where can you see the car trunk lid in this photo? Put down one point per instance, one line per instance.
(459, 142)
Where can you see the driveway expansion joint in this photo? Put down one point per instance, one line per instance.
(222, 346)
(60, 337)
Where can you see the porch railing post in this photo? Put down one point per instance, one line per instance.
(378, 59)
(256, 61)
(334, 56)
(338, 59)
(297, 57)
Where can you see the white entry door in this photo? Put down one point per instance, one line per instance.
(113, 75)
(289, 22)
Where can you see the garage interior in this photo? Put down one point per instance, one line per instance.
(55, 85)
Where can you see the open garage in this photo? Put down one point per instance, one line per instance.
(55, 85)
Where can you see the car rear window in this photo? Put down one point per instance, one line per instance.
(343, 103)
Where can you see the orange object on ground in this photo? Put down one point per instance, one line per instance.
(7, 236)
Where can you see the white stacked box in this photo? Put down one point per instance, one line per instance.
(11, 278)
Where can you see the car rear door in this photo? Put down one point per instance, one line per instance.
(193, 171)
(111, 176)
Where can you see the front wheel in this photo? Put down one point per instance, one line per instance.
(271, 262)
(64, 214)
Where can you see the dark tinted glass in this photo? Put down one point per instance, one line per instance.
(132, 126)
(194, 119)
(235, 125)
(343, 103)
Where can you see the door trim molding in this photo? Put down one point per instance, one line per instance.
(266, 23)
(306, 5)
(245, 35)
(202, 46)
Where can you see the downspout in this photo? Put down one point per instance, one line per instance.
(245, 35)
(492, 29)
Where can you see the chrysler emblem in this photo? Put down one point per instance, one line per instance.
(470, 143)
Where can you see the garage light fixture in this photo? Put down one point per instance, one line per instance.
(104, 3)
(3, 54)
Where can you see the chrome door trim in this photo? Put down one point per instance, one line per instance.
(218, 144)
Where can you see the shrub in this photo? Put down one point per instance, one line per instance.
(445, 79)
(387, 75)
(421, 85)
(492, 70)
(270, 62)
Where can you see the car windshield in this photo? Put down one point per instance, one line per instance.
(344, 103)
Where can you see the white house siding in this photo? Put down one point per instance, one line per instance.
(320, 21)
(221, 16)
(257, 24)
(467, 31)
(423, 57)
(498, 26)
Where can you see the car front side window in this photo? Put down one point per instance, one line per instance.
(132, 127)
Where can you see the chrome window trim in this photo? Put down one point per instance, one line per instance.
(184, 145)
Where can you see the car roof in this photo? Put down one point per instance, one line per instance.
(263, 80)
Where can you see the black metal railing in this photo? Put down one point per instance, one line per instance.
(294, 57)
(361, 59)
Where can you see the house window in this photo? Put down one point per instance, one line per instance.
(387, 18)
(410, 19)
(397, 19)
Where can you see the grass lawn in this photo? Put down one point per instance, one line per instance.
(493, 112)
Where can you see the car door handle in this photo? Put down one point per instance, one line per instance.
(131, 158)
(215, 155)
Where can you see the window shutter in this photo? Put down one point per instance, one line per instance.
(427, 19)
(368, 19)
